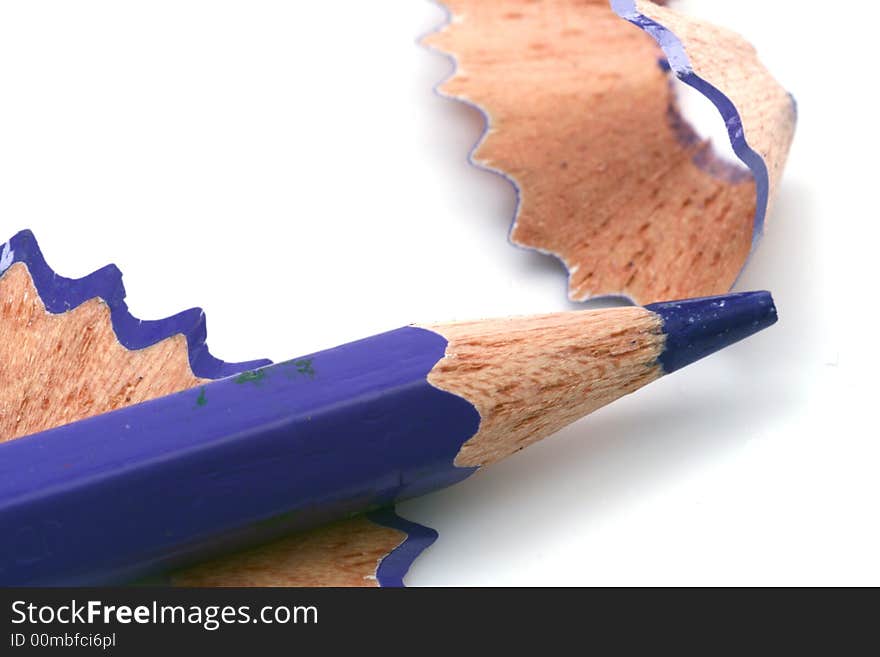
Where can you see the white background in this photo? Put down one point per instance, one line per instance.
(286, 166)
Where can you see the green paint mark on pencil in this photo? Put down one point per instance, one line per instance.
(299, 367)
(252, 376)
(304, 366)
(202, 399)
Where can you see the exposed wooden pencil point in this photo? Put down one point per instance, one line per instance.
(540, 373)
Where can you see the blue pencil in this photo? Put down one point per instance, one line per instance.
(286, 447)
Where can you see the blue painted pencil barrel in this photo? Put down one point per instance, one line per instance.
(239, 460)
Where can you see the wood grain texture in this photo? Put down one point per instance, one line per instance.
(56, 369)
(345, 553)
(730, 63)
(59, 368)
(584, 121)
(541, 373)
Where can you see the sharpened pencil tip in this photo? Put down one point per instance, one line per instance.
(698, 327)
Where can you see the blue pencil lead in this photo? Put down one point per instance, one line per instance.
(698, 327)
